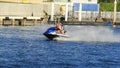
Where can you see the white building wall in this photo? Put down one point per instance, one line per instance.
(14, 9)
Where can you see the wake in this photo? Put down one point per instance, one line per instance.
(92, 33)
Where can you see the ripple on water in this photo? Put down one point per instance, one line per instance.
(26, 47)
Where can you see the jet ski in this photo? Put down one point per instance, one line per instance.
(108, 24)
(51, 34)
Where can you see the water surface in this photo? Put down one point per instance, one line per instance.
(88, 47)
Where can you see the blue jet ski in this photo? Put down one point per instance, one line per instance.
(108, 24)
(51, 33)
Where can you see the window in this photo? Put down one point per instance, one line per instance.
(89, 0)
(69, 0)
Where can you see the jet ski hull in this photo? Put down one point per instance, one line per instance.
(51, 36)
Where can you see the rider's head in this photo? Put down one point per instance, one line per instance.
(58, 25)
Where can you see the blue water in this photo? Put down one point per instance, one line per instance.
(88, 47)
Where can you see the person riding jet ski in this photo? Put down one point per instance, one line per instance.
(59, 28)
(55, 31)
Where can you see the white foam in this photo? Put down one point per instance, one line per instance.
(92, 33)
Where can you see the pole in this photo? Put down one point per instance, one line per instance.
(115, 6)
(66, 12)
(52, 12)
(73, 12)
(80, 12)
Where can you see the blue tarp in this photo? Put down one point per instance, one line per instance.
(76, 6)
(90, 7)
(86, 7)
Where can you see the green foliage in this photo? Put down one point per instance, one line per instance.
(109, 6)
(106, 6)
(106, 1)
(118, 6)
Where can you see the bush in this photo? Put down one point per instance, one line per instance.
(109, 6)
(106, 6)
(118, 7)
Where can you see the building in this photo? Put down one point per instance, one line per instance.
(75, 8)
(36, 7)
(22, 1)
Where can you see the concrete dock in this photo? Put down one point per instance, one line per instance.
(21, 21)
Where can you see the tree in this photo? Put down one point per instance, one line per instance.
(106, 1)
(108, 5)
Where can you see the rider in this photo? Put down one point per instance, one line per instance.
(59, 28)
